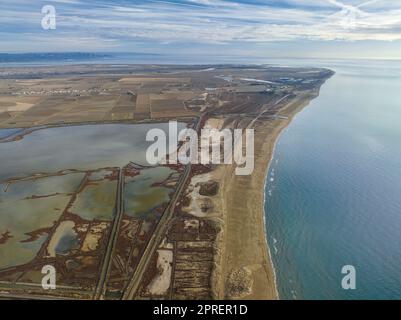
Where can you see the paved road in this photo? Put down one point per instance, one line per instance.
(158, 234)
(106, 266)
(156, 238)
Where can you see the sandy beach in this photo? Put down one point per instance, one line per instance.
(209, 242)
(246, 269)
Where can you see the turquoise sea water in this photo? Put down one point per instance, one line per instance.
(333, 195)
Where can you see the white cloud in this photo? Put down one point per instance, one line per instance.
(214, 21)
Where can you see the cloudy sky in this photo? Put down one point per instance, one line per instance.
(247, 28)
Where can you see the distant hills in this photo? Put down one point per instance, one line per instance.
(46, 57)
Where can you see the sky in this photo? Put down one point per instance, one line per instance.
(248, 29)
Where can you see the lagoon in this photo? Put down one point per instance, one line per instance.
(333, 194)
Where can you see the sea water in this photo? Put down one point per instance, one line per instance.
(333, 194)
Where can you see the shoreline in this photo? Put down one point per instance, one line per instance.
(269, 166)
(265, 213)
(233, 258)
(246, 251)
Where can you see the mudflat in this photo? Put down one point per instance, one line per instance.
(184, 231)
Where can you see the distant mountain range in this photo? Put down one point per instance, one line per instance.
(50, 58)
(46, 57)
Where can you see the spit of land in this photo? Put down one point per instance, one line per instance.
(77, 193)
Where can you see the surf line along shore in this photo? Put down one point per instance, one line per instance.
(247, 271)
(244, 269)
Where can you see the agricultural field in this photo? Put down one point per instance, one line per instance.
(77, 193)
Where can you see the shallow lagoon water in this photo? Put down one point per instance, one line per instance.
(140, 197)
(333, 195)
(4, 133)
(29, 205)
(85, 147)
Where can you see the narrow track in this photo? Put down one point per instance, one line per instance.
(158, 235)
(106, 265)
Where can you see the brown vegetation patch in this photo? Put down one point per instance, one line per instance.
(209, 188)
